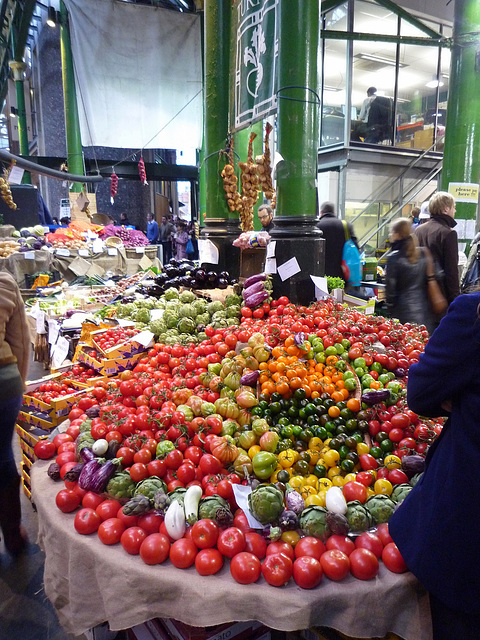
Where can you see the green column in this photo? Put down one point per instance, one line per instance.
(216, 86)
(72, 126)
(298, 110)
(461, 158)
(18, 71)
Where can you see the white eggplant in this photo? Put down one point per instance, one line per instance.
(175, 520)
(190, 503)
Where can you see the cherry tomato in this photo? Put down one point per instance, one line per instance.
(245, 567)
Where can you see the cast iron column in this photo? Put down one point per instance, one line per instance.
(18, 71)
(461, 157)
(72, 126)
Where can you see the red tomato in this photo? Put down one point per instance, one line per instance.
(128, 521)
(67, 500)
(367, 540)
(66, 446)
(87, 521)
(335, 564)
(277, 569)
(307, 572)
(61, 438)
(383, 533)
(245, 567)
(110, 531)
(182, 553)
(363, 564)
(157, 468)
(231, 541)
(174, 459)
(155, 548)
(138, 472)
(281, 547)
(108, 509)
(209, 465)
(132, 539)
(66, 456)
(342, 543)
(150, 522)
(355, 491)
(208, 561)
(91, 500)
(205, 533)
(392, 558)
(255, 544)
(65, 468)
(309, 546)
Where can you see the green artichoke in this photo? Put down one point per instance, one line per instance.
(266, 503)
(359, 517)
(137, 506)
(401, 491)
(209, 506)
(313, 522)
(121, 486)
(149, 487)
(177, 494)
(381, 508)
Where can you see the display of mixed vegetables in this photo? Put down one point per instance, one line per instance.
(270, 436)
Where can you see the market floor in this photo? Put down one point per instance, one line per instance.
(25, 611)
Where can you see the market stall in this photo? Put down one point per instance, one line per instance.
(88, 585)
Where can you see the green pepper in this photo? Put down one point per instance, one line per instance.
(163, 448)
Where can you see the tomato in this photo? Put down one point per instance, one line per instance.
(392, 559)
(277, 569)
(383, 534)
(307, 572)
(342, 543)
(231, 541)
(61, 438)
(132, 539)
(363, 564)
(309, 546)
(108, 509)
(126, 454)
(155, 548)
(128, 521)
(110, 531)
(245, 567)
(283, 548)
(66, 456)
(157, 468)
(208, 561)
(205, 533)
(99, 430)
(65, 468)
(174, 459)
(335, 564)
(67, 500)
(209, 464)
(150, 522)
(138, 472)
(355, 491)
(367, 540)
(66, 446)
(255, 544)
(91, 500)
(73, 431)
(182, 553)
(87, 521)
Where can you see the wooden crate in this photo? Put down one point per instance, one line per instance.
(252, 261)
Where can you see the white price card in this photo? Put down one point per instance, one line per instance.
(41, 322)
(321, 287)
(29, 255)
(97, 246)
(84, 252)
(53, 329)
(112, 251)
(15, 176)
(156, 314)
(123, 322)
(60, 352)
(139, 249)
(145, 338)
(271, 265)
(63, 252)
(370, 307)
(288, 269)
(241, 493)
(208, 252)
(271, 248)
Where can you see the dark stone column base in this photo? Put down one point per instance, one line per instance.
(222, 233)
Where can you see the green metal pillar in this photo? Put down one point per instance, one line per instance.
(461, 159)
(240, 147)
(298, 113)
(18, 68)
(72, 126)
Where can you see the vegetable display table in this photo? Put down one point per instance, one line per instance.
(89, 583)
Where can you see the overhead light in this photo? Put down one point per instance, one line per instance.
(380, 59)
(52, 17)
(13, 112)
(435, 82)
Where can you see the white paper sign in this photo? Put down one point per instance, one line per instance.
(63, 252)
(156, 314)
(112, 251)
(53, 329)
(64, 208)
(16, 174)
(271, 265)
(41, 322)
(370, 307)
(241, 493)
(320, 284)
(139, 249)
(29, 255)
(288, 269)
(97, 246)
(207, 252)
(35, 310)
(84, 252)
(145, 338)
(60, 352)
(271, 248)
(123, 322)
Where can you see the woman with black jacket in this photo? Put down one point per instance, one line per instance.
(406, 277)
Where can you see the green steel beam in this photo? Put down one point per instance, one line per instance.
(328, 34)
(23, 17)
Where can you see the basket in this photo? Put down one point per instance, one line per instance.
(150, 252)
(113, 241)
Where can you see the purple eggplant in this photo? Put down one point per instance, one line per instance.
(87, 454)
(250, 379)
(254, 288)
(374, 397)
(257, 299)
(256, 278)
(99, 481)
(87, 474)
(73, 474)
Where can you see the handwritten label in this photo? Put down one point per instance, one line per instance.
(29, 255)
(60, 352)
(288, 269)
(63, 252)
(145, 262)
(271, 265)
(271, 248)
(53, 329)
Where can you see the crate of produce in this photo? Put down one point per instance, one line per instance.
(106, 366)
(31, 434)
(80, 375)
(39, 419)
(230, 631)
(56, 407)
(124, 339)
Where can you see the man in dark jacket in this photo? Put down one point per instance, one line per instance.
(265, 215)
(334, 234)
(439, 236)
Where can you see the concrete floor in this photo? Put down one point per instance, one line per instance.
(25, 611)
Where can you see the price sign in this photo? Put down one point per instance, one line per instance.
(29, 255)
(63, 252)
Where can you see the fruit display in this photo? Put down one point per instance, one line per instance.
(114, 336)
(303, 406)
(7, 247)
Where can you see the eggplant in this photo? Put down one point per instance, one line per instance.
(374, 397)
(53, 471)
(185, 281)
(98, 483)
(222, 283)
(161, 279)
(212, 277)
(93, 412)
(201, 275)
(173, 262)
(224, 274)
(113, 447)
(88, 472)
(250, 379)
(254, 288)
(73, 474)
(413, 464)
(171, 271)
(256, 299)
(253, 279)
(87, 454)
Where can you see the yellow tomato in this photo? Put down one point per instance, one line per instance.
(392, 462)
(334, 471)
(254, 449)
(316, 500)
(324, 484)
(287, 458)
(296, 482)
(312, 481)
(362, 447)
(338, 481)
(314, 456)
(291, 537)
(370, 492)
(315, 443)
(307, 490)
(350, 477)
(383, 487)
(331, 457)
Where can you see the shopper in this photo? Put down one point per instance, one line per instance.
(152, 229)
(181, 240)
(406, 277)
(165, 234)
(333, 232)
(124, 220)
(435, 528)
(439, 236)
(14, 361)
(265, 215)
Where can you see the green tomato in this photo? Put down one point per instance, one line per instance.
(264, 464)
(360, 371)
(331, 351)
(163, 448)
(376, 366)
(383, 378)
(320, 357)
(359, 362)
(339, 348)
(350, 384)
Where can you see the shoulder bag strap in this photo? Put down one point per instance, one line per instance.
(345, 230)
(430, 265)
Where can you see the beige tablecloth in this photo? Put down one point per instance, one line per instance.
(89, 583)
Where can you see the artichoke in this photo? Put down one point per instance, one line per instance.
(137, 506)
(161, 500)
(177, 494)
(313, 522)
(401, 491)
(187, 296)
(149, 487)
(359, 517)
(224, 518)
(381, 508)
(266, 503)
(209, 506)
(337, 524)
(415, 479)
(120, 486)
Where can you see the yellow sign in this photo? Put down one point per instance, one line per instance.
(464, 191)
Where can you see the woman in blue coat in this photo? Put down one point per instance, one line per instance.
(437, 527)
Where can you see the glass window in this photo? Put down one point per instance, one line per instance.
(336, 19)
(372, 18)
(333, 102)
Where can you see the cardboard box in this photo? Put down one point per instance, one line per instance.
(121, 350)
(423, 139)
(230, 631)
(39, 419)
(26, 461)
(59, 408)
(31, 434)
(107, 367)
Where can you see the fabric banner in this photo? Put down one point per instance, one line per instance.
(256, 54)
(138, 75)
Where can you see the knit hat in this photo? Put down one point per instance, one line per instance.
(424, 212)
